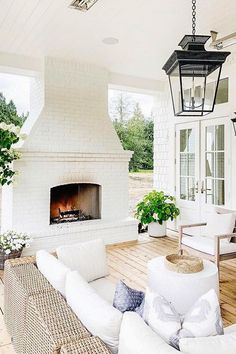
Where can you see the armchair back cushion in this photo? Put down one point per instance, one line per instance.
(53, 270)
(88, 258)
(219, 224)
(96, 314)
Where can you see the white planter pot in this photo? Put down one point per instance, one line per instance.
(157, 230)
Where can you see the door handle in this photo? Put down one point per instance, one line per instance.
(197, 187)
(203, 187)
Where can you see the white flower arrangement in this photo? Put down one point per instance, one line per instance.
(13, 241)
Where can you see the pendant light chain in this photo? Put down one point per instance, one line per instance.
(194, 19)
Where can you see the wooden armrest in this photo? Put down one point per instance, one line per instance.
(221, 237)
(182, 227)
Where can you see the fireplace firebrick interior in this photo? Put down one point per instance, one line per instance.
(74, 202)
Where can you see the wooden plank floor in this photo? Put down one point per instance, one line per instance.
(129, 263)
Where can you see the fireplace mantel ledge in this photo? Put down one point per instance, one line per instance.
(75, 156)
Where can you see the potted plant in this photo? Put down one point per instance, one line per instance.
(154, 210)
(11, 245)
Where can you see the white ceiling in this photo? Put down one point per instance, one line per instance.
(148, 31)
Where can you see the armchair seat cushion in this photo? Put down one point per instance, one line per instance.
(207, 245)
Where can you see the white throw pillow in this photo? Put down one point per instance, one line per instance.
(202, 320)
(219, 224)
(53, 270)
(97, 315)
(225, 344)
(88, 258)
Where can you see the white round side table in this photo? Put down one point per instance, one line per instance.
(182, 290)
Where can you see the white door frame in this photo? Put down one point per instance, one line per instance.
(199, 208)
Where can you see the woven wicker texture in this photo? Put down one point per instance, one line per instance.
(50, 323)
(92, 345)
(20, 281)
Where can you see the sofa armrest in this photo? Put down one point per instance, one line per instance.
(50, 324)
(14, 262)
(92, 345)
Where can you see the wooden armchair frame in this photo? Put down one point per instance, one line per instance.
(217, 257)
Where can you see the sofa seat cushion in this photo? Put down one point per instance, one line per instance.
(88, 258)
(105, 288)
(97, 315)
(53, 270)
(210, 345)
(136, 337)
(207, 245)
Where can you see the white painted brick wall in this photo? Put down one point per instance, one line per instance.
(72, 141)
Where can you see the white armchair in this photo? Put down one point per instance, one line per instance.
(217, 243)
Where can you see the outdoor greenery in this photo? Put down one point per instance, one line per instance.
(8, 113)
(134, 130)
(10, 124)
(156, 207)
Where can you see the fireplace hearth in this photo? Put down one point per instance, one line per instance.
(74, 202)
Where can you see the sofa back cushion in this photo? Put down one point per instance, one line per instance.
(96, 314)
(88, 258)
(53, 270)
(210, 345)
(136, 337)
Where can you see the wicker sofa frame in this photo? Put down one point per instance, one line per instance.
(38, 318)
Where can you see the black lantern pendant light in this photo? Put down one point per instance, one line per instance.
(234, 124)
(194, 74)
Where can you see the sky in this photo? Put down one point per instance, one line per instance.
(17, 88)
(145, 101)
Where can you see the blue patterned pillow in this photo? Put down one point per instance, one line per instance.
(127, 299)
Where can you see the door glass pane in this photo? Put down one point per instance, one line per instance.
(210, 164)
(183, 164)
(220, 136)
(183, 140)
(210, 138)
(191, 189)
(219, 163)
(191, 165)
(187, 164)
(215, 165)
(191, 141)
(183, 188)
(219, 192)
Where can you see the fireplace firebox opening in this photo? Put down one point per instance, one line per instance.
(74, 202)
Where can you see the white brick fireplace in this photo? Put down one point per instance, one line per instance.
(71, 142)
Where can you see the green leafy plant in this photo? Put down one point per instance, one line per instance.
(156, 207)
(9, 135)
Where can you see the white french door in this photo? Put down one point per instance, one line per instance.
(202, 168)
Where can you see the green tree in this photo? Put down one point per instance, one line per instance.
(136, 134)
(8, 113)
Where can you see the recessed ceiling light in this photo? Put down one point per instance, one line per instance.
(110, 40)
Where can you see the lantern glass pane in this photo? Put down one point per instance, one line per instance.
(211, 89)
(199, 84)
(176, 90)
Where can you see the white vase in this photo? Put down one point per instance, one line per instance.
(157, 230)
